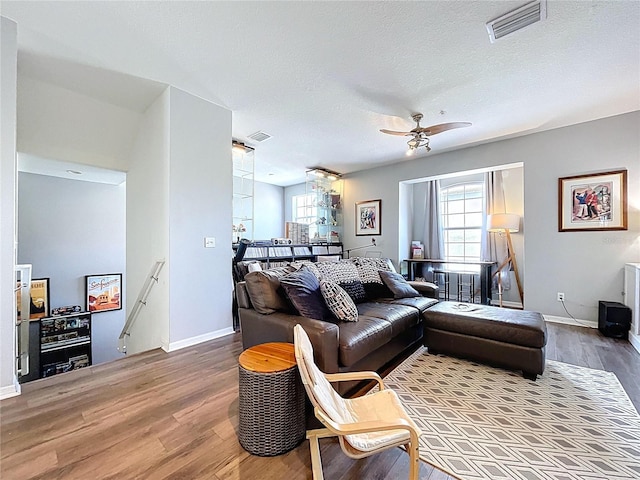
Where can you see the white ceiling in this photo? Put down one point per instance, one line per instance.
(323, 77)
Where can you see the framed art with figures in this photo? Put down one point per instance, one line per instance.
(595, 201)
(368, 217)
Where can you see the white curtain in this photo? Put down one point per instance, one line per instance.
(494, 245)
(432, 237)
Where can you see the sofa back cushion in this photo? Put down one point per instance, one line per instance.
(264, 290)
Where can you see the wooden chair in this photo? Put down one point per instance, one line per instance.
(365, 425)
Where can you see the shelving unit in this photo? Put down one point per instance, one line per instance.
(326, 190)
(65, 343)
(273, 255)
(243, 192)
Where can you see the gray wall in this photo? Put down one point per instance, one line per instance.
(268, 211)
(553, 261)
(68, 229)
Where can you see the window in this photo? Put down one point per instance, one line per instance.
(462, 214)
(304, 211)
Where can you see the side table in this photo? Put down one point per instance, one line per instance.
(271, 400)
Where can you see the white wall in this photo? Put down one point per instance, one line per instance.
(8, 74)
(61, 124)
(148, 226)
(200, 204)
(553, 261)
(268, 211)
(68, 229)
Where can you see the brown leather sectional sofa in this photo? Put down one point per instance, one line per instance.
(386, 327)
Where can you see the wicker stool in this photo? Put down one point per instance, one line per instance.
(271, 400)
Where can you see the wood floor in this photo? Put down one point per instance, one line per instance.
(161, 416)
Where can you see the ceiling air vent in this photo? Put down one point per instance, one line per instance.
(259, 136)
(517, 19)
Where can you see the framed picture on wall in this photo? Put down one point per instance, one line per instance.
(368, 217)
(39, 307)
(103, 292)
(593, 202)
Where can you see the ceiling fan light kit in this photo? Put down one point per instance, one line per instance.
(420, 135)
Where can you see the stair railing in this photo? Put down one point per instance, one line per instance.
(141, 301)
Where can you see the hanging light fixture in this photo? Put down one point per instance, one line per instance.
(241, 147)
(324, 173)
(418, 140)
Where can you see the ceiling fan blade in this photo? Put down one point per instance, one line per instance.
(392, 132)
(443, 127)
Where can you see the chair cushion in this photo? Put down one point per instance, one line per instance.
(381, 406)
(398, 285)
(303, 289)
(338, 301)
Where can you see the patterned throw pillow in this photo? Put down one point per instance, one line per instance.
(345, 274)
(368, 270)
(338, 301)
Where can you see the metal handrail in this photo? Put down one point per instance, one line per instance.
(140, 302)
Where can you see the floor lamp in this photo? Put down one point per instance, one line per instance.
(507, 223)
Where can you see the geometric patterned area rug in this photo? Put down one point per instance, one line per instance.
(479, 422)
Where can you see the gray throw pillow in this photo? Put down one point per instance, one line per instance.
(398, 285)
(303, 289)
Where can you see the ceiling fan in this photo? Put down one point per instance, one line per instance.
(420, 135)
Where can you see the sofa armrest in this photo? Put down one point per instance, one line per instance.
(426, 289)
(278, 327)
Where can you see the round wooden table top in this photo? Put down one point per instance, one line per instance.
(268, 357)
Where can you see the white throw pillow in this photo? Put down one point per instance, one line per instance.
(339, 301)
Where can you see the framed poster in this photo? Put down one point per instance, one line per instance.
(593, 202)
(39, 306)
(368, 217)
(103, 292)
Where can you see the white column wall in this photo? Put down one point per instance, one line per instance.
(8, 74)
(200, 204)
(148, 226)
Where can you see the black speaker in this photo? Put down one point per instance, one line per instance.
(614, 319)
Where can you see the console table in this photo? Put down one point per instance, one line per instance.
(485, 273)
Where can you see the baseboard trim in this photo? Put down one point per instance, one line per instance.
(635, 341)
(188, 342)
(10, 390)
(571, 321)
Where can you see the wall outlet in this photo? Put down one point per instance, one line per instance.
(560, 297)
(209, 242)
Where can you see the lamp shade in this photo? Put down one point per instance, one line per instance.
(499, 222)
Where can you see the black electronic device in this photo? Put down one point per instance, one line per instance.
(614, 319)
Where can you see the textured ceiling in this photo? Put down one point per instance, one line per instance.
(323, 77)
